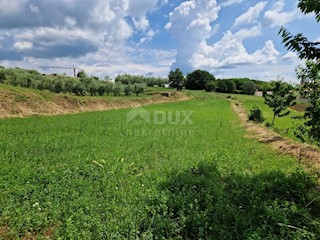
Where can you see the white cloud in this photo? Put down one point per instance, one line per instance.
(64, 28)
(227, 3)
(147, 38)
(139, 9)
(23, 45)
(251, 15)
(141, 24)
(191, 23)
(278, 17)
(230, 52)
(34, 8)
(290, 57)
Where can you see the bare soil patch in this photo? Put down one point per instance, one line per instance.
(300, 107)
(305, 153)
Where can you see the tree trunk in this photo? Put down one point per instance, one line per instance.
(274, 117)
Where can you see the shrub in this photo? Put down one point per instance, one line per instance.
(128, 89)
(139, 88)
(226, 86)
(118, 88)
(210, 86)
(256, 115)
(109, 87)
(249, 88)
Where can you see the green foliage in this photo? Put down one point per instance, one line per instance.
(300, 44)
(109, 87)
(260, 85)
(201, 203)
(139, 88)
(2, 76)
(280, 99)
(117, 89)
(211, 86)
(249, 88)
(309, 131)
(80, 86)
(82, 74)
(226, 86)
(198, 79)
(309, 76)
(176, 79)
(256, 115)
(128, 89)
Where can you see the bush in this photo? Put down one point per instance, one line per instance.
(256, 115)
(128, 89)
(109, 87)
(226, 86)
(118, 88)
(139, 88)
(249, 88)
(210, 86)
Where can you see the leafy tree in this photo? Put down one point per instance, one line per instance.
(79, 89)
(128, 89)
(226, 86)
(300, 44)
(198, 79)
(117, 89)
(101, 88)
(139, 88)
(309, 131)
(109, 87)
(176, 79)
(279, 100)
(211, 86)
(231, 86)
(249, 88)
(70, 84)
(309, 75)
(222, 86)
(82, 74)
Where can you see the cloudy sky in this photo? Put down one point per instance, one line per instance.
(229, 38)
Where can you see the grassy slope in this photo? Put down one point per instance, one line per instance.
(90, 176)
(21, 102)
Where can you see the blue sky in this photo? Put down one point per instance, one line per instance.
(229, 38)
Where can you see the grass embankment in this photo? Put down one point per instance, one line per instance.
(93, 176)
(22, 102)
(284, 125)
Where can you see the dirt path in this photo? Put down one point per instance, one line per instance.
(306, 154)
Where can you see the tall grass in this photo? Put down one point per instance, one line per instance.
(93, 176)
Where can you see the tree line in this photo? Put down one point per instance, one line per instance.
(203, 80)
(82, 85)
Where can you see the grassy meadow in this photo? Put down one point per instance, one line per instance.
(184, 171)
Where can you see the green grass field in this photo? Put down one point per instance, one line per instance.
(96, 176)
